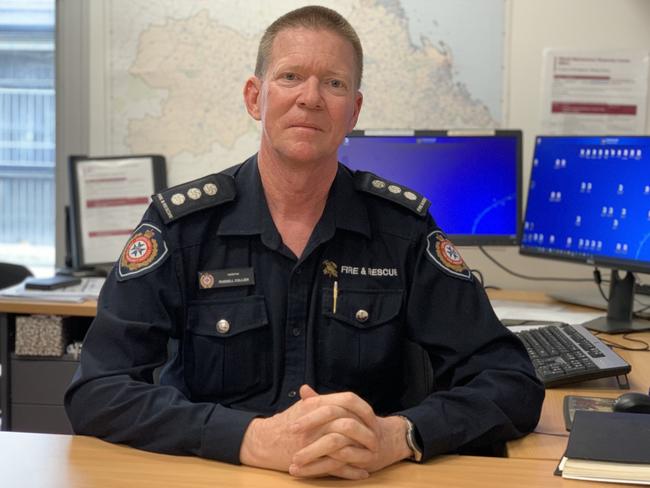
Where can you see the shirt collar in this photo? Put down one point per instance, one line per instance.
(249, 213)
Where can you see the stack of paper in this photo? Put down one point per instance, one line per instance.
(88, 289)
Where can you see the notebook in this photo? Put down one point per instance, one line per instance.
(608, 446)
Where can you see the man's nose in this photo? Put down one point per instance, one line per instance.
(310, 94)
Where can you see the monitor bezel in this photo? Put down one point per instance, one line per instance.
(159, 171)
(590, 260)
(469, 239)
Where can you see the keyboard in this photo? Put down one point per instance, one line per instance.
(563, 354)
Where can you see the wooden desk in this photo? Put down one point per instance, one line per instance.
(61, 461)
(540, 445)
(535, 446)
(44, 408)
(30, 307)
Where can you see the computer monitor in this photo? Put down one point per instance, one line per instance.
(108, 196)
(589, 202)
(473, 179)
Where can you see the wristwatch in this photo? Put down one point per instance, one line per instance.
(412, 442)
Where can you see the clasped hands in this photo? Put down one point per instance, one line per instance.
(325, 435)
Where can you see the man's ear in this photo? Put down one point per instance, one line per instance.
(252, 91)
(358, 102)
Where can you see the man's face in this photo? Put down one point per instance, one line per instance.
(307, 101)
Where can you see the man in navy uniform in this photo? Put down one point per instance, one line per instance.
(278, 296)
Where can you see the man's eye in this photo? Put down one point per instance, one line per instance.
(337, 84)
(290, 76)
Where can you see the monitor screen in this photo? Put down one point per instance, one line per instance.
(107, 200)
(589, 201)
(472, 179)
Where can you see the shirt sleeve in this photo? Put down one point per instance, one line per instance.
(485, 388)
(113, 395)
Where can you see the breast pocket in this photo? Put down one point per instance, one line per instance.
(228, 350)
(359, 344)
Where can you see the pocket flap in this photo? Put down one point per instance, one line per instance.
(362, 308)
(227, 318)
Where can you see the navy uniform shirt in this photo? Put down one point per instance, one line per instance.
(210, 291)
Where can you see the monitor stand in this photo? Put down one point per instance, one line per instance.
(620, 318)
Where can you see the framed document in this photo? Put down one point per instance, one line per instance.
(107, 200)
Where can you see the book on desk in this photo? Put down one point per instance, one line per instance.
(612, 447)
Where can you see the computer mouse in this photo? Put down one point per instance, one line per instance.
(632, 403)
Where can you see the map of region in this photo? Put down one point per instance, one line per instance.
(176, 71)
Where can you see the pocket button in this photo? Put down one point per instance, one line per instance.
(361, 315)
(223, 326)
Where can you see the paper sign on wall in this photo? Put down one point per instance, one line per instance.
(594, 92)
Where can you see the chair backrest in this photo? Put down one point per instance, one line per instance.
(12, 274)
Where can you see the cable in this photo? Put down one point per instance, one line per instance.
(612, 344)
(637, 313)
(599, 280)
(534, 278)
(479, 276)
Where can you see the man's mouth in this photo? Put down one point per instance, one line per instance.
(306, 125)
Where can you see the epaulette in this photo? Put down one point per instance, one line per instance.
(373, 184)
(186, 198)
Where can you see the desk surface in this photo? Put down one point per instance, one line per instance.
(550, 439)
(60, 461)
(83, 309)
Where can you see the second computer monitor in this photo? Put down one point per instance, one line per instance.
(589, 202)
(472, 179)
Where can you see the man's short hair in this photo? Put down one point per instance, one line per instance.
(312, 17)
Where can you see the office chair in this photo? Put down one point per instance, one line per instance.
(12, 274)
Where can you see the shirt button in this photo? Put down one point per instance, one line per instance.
(292, 394)
(223, 326)
(361, 315)
(296, 331)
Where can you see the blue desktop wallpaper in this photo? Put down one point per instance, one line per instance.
(589, 199)
(471, 181)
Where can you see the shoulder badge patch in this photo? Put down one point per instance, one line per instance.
(144, 252)
(444, 254)
(370, 183)
(186, 198)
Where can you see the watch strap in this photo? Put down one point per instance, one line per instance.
(411, 441)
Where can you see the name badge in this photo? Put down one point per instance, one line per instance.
(224, 278)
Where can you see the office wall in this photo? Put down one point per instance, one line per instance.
(532, 26)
